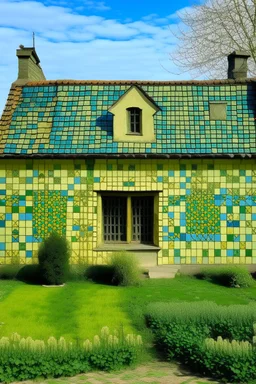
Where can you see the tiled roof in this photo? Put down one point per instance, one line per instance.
(67, 117)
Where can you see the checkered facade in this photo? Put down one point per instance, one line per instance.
(206, 211)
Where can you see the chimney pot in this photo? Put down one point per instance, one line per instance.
(237, 65)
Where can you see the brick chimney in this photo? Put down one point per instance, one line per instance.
(29, 67)
(237, 65)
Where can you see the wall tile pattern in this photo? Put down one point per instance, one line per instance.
(206, 213)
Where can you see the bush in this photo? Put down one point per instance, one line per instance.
(53, 257)
(183, 331)
(9, 272)
(102, 274)
(230, 359)
(26, 359)
(29, 274)
(229, 275)
(232, 322)
(126, 270)
(77, 272)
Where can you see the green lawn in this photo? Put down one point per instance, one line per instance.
(81, 309)
(78, 310)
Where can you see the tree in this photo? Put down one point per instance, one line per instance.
(210, 31)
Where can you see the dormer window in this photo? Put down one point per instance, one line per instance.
(134, 120)
(133, 117)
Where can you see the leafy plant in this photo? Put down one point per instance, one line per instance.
(102, 274)
(230, 359)
(195, 334)
(77, 272)
(24, 359)
(53, 257)
(9, 272)
(126, 269)
(232, 322)
(228, 275)
(29, 274)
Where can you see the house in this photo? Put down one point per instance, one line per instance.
(165, 169)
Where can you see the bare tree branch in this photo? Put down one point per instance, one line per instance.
(209, 32)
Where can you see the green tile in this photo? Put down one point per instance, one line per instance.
(22, 246)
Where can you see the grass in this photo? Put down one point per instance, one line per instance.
(76, 311)
(183, 288)
(81, 309)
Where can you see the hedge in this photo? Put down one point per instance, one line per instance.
(210, 339)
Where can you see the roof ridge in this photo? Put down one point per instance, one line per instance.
(140, 82)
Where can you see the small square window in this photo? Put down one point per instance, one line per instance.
(218, 110)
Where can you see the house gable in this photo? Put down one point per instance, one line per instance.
(134, 98)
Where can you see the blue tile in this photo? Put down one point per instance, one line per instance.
(28, 254)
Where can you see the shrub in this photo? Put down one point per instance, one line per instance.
(26, 359)
(9, 272)
(126, 270)
(230, 359)
(232, 322)
(29, 274)
(53, 257)
(229, 275)
(102, 274)
(77, 272)
(183, 331)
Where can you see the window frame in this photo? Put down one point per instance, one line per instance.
(129, 217)
(129, 112)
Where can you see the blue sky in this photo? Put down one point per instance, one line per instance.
(91, 39)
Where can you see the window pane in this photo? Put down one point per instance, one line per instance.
(135, 120)
(114, 218)
(142, 219)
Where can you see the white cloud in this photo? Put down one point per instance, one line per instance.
(72, 45)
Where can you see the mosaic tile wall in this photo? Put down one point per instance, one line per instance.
(75, 119)
(207, 208)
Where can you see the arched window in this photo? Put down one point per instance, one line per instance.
(134, 120)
